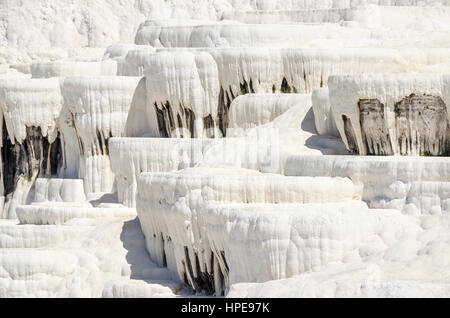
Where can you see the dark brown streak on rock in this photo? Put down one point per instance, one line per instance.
(350, 134)
(422, 125)
(374, 131)
(23, 159)
(203, 282)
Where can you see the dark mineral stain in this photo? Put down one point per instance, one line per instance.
(422, 125)
(285, 88)
(375, 133)
(224, 107)
(350, 134)
(203, 282)
(168, 124)
(33, 157)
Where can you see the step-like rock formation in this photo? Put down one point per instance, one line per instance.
(252, 110)
(98, 109)
(172, 210)
(391, 114)
(381, 178)
(73, 68)
(31, 144)
(261, 242)
(229, 148)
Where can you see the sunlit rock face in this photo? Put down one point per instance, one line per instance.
(189, 108)
(71, 68)
(59, 190)
(133, 62)
(225, 148)
(98, 109)
(253, 110)
(132, 156)
(31, 144)
(385, 181)
(323, 114)
(172, 208)
(409, 118)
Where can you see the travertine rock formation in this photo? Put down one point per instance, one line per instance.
(239, 148)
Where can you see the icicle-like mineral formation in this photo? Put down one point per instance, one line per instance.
(30, 146)
(183, 90)
(391, 114)
(229, 148)
(171, 209)
(98, 109)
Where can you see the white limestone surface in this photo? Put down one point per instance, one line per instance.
(251, 110)
(57, 215)
(369, 16)
(172, 207)
(132, 156)
(284, 240)
(415, 265)
(391, 114)
(59, 190)
(16, 235)
(30, 102)
(303, 69)
(73, 68)
(323, 115)
(288, 35)
(30, 109)
(98, 109)
(183, 90)
(427, 198)
(133, 62)
(341, 281)
(241, 132)
(380, 178)
(109, 258)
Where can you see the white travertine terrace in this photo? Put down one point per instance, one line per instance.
(392, 114)
(372, 17)
(384, 180)
(323, 115)
(133, 63)
(346, 230)
(428, 198)
(304, 69)
(85, 264)
(98, 107)
(189, 108)
(240, 35)
(117, 51)
(57, 215)
(132, 156)
(29, 113)
(165, 198)
(28, 103)
(342, 281)
(255, 148)
(73, 68)
(239, 72)
(59, 190)
(252, 110)
(34, 236)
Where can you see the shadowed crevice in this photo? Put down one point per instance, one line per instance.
(35, 156)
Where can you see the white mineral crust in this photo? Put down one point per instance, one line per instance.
(254, 148)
